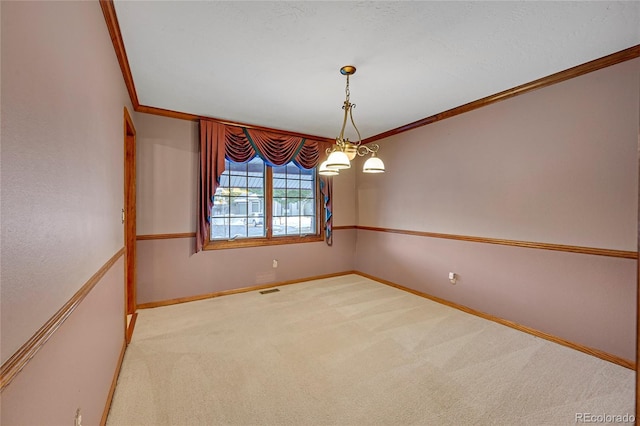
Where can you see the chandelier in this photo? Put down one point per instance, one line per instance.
(343, 151)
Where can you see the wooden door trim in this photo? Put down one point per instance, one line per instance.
(638, 290)
(129, 218)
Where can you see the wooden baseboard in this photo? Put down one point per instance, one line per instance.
(114, 382)
(576, 346)
(238, 290)
(582, 348)
(131, 326)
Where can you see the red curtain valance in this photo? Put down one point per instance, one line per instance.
(240, 145)
(276, 149)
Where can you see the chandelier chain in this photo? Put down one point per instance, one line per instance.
(346, 89)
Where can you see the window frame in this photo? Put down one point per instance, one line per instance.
(269, 239)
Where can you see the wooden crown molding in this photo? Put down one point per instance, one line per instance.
(192, 117)
(606, 61)
(111, 19)
(19, 360)
(109, 12)
(167, 113)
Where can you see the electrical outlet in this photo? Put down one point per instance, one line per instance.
(78, 419)
(275, 263)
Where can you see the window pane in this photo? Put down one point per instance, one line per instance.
(278, 183)
(255, 185)
(292, 205)
(281, 170)
(279, 225)
(238, 185)
(238, 206)
(307, 174)
(220, 206)
(293, 193)
(235, 168)
(307, 225)
(293, 225)
(219, 228)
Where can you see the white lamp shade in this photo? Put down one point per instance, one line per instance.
(325, 171)
(338, 160)
(373, 165)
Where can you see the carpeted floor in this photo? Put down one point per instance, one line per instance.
(351, 351)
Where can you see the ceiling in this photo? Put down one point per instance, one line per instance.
(276, 64)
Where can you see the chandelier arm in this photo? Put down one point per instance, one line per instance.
(347, 108)
(355, 127)
(347, 111)
(362, 150)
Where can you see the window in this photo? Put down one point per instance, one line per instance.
(256, 204)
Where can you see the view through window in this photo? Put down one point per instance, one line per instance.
(241, 208)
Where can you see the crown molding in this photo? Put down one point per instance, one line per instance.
(606, 61)
(111, 19)
(109, 12)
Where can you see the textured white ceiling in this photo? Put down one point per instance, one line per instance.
(276, 64)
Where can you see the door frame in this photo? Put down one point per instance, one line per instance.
(129, 222)
(638, 293)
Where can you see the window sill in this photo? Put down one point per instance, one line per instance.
(260, 242)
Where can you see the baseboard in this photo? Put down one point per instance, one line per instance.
(114, 382)
(131, 326)
(238, 290)
(582, 348)
(576, 346)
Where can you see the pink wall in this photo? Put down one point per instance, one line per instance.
(557, 165)
(167, 177)
(168, 269)
(166, 174)
(62, 158)
(62, 190)
(586, 299)
(75, 368)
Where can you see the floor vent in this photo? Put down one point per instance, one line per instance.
(273, 290)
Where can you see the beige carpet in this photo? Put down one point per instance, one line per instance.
(351, 351)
